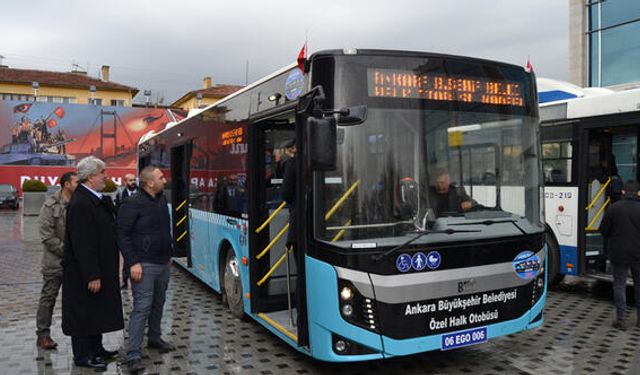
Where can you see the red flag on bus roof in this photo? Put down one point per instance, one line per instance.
(52, 123)
(528, 67)
(302, 57)
(59, 112)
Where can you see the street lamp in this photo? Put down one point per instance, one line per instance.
(92, 94)
(35, 86)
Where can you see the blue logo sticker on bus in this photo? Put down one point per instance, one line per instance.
(526, 265)
(463, 338)
(294, 84)
(433, 260)
(403, 262)
(418, 261)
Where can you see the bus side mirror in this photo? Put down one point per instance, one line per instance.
(355, 115)
(322, 143)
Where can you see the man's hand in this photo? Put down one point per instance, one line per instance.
(135, 272)
(94, 286)
(466, 205)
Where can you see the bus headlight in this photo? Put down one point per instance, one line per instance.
(356, 308)
(346, 293)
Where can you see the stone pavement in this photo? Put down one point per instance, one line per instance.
(576, 337)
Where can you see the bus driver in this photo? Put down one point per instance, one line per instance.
(445, 197)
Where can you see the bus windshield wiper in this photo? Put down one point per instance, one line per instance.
(420, 234)
(484, 222)
(492, 221)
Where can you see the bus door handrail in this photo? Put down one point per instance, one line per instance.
(595, 218)
(271, 217)
(344, 197)
(602, 189)
(273, 242)
(275, 266)
(286, 227)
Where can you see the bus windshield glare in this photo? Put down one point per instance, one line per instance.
(438, 151)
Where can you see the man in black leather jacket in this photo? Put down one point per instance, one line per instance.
(144, 238)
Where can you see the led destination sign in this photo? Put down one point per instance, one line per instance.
(392, 83)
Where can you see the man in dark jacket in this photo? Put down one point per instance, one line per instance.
(621, 227)
(91, 302)
(51, 222)
(144, 237)
(130, 188)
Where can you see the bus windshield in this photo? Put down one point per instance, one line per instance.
(414, 168)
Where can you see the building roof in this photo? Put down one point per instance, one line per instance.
(216, 91)
(60, 79)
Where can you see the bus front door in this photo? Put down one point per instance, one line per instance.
(180, 163)
(273, 266)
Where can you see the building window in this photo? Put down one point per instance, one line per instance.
(96, 101)
(614, 48)
(117, 102)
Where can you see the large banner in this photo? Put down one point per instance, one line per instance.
(44, 140)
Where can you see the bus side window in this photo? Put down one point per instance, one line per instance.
(557, 162)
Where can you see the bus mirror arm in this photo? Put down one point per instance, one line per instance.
(312, 102)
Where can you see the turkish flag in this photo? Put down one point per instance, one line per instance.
(528, 68)
(24, 108)
(59, 112)
(302, 57)
(52, 123)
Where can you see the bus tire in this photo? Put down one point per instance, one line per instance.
(554, 277)
(232, 285)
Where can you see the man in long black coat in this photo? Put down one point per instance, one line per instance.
(91, 303)
(621, 226)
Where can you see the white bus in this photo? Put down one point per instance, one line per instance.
(589, 149)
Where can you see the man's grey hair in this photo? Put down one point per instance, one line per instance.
(88, 167)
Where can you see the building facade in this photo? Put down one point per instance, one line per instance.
(63, 87)
(604, 43)
(206, 96)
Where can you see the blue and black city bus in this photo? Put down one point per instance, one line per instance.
(418, 217)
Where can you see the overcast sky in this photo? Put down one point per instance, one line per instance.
(169, 46)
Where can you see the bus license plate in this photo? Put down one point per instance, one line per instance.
(464, 338)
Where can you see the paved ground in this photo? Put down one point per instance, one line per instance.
(576, 337)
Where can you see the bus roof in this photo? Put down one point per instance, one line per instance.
(564, 101)
(345, 51)
(195, 112)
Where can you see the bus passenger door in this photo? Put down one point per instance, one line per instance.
(273, 267)
(180, 163)
(611, 160)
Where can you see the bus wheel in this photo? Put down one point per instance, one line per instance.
(232, 285)
(553, 265)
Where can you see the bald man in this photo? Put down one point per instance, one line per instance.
(130, 188)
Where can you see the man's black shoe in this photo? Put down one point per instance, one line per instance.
(94, 363)
(105, 354)
(135, 366)
(161, 345)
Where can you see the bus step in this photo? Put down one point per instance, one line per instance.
(280, 321)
